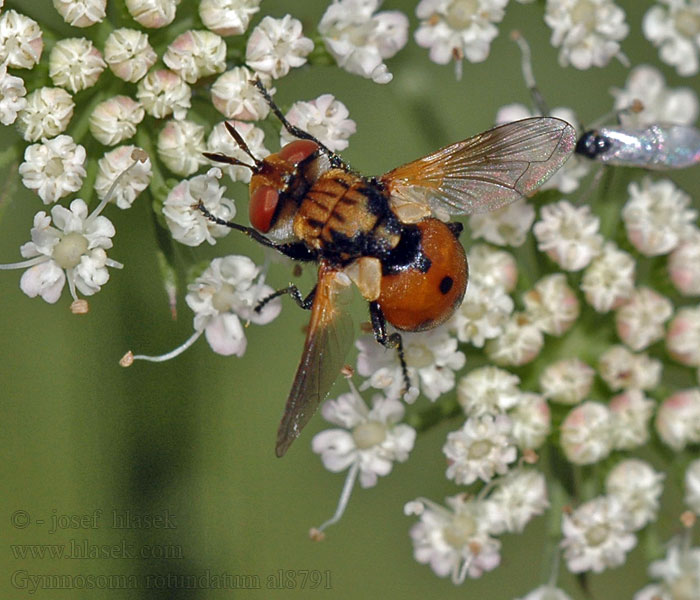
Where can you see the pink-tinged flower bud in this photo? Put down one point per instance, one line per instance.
(621, 369)
(657, 216)
(493, 267)
(81, 13)
(152, 13)
(21, 40)
(46, 114)
(586, 433)
(227, 17)
(683, 337)
(115, 120)
(678, 419)
(640, 322)
(196, 54)
(568, 234)
(113, 167)
(180, 146)
(552, 305)
(520, 342)
(163, 93)
(12, 96)
(532, 421)
(75, 64)
(684, 266)
(234, 95)
(128, 54)
(631, 412)
(567, 381)
(609, 280)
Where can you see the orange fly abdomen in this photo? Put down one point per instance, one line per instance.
(415, 300)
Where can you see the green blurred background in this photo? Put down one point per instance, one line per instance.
(192, 439)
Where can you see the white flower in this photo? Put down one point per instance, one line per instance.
(659, 103)
(129, 54)
(488, 391)
(631, 412)
(609, 280)
(196, 54)
(492, 267)
(675, 31)
(227, 292)
(638, 487)
(46, 114)
(568, 234)
(115, 120)
(455, 29)
(547, 591)
(482, 448)
(152, 13)
(678, 419)
(692, 486)
(679, 572)
(588, 31)
(640, 321)
(224, 294)
(235, 96)
(596, 535)
(482, 314)
(12, 96)
(520, 342)
(54, 168)
(586, 435)
(552, 305)
(371, 439)
(567, 381)
(431, 357)
(75, 64)
(72, 249)
(360, 40)
(227, 17)
(81, 13)
(325, 118)
(163, 93)
(518, 497)
(277, 45)
(220, 141)
(683, 336)
(684, 265)
(657, 216)
(21, 40)
(112, 165)
(532, 421)
(507, 226)
(187, 224)
(455, 541)
(180, 146)
(567, 178)
(621, 369)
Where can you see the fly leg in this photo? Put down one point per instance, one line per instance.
(296, 250)
(297, 132)
(293, 291)
(388, 341)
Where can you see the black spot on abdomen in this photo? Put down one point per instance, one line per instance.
(446, 284)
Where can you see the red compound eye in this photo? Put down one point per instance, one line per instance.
(263, 203)
(298, 150)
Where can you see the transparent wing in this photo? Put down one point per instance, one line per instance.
(327, 341)
(486, 171)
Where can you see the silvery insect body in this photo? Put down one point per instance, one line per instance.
(657, 146)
